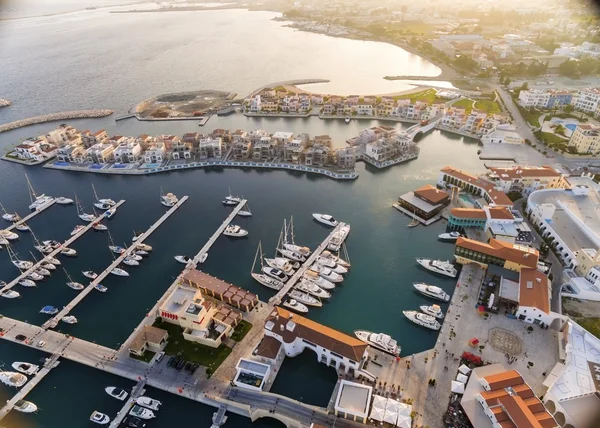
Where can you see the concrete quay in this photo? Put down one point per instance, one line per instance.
(57, 251)
(65, 115)
(53, 322)
(31, 215)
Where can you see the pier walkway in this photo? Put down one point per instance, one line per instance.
(50, 363)
(57, 251)
(53, 322)
(31, 215)
(278, 298)
(194, 262)
(219, 417)
(137, 391)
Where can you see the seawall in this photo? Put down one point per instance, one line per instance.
(65, 115)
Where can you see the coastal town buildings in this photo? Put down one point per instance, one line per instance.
(490, 193)
(35, 150)
(545, 99)
(526, 179)
(149, 338)
(497, 222)
(100, 153)
(586, 139)
(127, 152)
(496, 252)
(586, 100)
(155, 153)
(425, 202)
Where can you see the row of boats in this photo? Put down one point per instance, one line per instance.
(144, 408)
(17, 379)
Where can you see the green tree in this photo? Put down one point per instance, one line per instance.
(569, 108)
(524, 86)
(568, 68)
(587, 66)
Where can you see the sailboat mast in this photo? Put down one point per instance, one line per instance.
(261, 253)
(32, 195)
(281, 237)
(292, 229)
(95, 194)
(255, 256)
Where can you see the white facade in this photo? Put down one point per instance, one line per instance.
(210, 147)
(127, 152)
(586, 100)
(503, 137)
(364, 109)
(534, 98)
(155, 153)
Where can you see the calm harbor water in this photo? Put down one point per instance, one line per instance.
(76, 62)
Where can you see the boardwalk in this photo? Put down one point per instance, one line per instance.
(32, 215)
(138, 391)
(51, 363)
(57, 251)
(278, 298)
(53, 322)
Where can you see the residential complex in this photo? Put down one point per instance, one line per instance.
(489, 192)
(526, 179)
(586, 139)
(496, 252)
(545, 99)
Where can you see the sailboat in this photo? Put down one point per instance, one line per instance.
(20, 264)
(245, 211)
(41, 247)
(169, 199)
(291, 246)
(114, 248)
(231, 200)
(9, 217)
(74, 285)
(263, 279)
(36, 200)
(102, 204)
(82, 215)
(414, 221)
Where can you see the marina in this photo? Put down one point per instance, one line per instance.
(138, 390)
(38, 210)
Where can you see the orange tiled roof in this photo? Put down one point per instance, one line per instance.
(468, 213)
(431, 193)
(522, 255)
(516, 172)
(500, 213)
(533, 290)
(497, 196)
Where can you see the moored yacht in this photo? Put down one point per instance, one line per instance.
(10, 294)
(439, 266)
(48, 266)
(99, 226)
(101, 288)
(10, 217)
(25, 368)
(90, 274)
(231, 200)
(49, 310)
(327, 273)
(144, 247)
(8, 235)
(449, 236)
(116, 249)
(109, 213)
(422, 319)
(235, 231)
(149, 403)
(75, 285)
(292, 255)
(203, 258)
(130, 262)
(304, 251)
(267, 281)
(69, 252)
(13, 379)
(431, 291)
(77, 229)
(53, 261)
(61, 200)
(338, 238)
(69, 319)
(141, 412)
(23, 264)
(99, 418)
(52, 243)
(141, 252)
(433, 310)
(280, 263)
(329, 263)
(42, 271)
(26, 282)
(169, 199)
(119, 272)
(312, 289)
(325, 219)
(22, 227)
(275, 273)
(24, 406)
(318, 280)
(118, 393)
(183, 259)
(337, 259)
(380, 341)
(35, 276)
(304, 298)
(295, 306)
(44, 249)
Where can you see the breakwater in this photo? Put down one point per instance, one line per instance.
(5, 103)
(65, 115)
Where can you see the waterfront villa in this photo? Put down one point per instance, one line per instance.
(127, 152)
(100, 153)
(155, 153)
(91, 139)
(150, 338)
(497, 252)
(424, 203)
(296, 333)
(35, 150)
(527, 179)
(491, 193)
(202, 321)
(210, 148)
(586, 139)
(220, 290)
(181, 150)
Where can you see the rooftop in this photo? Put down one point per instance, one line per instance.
(354, 398)
(534, 290)
(519, 172)
(268, 347)
(418, 202)
(149, 334)
(515, 253)
(497, 196)
(474, 213)
(432, 194)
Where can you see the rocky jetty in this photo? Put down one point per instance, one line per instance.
(65, 115)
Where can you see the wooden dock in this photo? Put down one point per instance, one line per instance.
(137, 391)
(278, 298)
(53, 322)
(32, 215)
(57, 251)
(194, 262)
(50, 363)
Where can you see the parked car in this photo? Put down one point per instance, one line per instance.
(21, 337)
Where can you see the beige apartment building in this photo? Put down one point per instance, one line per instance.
(586, 139)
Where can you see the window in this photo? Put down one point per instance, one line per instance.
(336, 355)
(309, 343)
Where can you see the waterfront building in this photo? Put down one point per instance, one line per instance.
(345, 158)
(328, 109)
(496, 252)
(78, 155)
(181, 150)
(527, 179)
(497, 398)
(317, 154)
(169, 140)
(382, 150)
(364, 109)
(535, 290)
(255, 104)
(503, 136)
(264, 149)
(455, 118)
(149, 338)
(155, 153)
(63, 135)
(371, 134)
(242, 148)
(317, 99)
(100, 153)
(202, 321)
(251, 374)
(497, 222)
(426, 202)
(64, 153)
(586, 139)
(292, 150)
(192, 138)
(220, 290)
(475, 121)
(573, 385)
(451, 177)
(145, 141)
(281, 137)
(91, 139)
(333, 348)
(256, 134)
(115, 140)
(127, 152)
(534, 98)
(36, 150)
(587, 265)
(353, 401)
(586, 100)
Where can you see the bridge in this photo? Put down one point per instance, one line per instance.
(419, 128)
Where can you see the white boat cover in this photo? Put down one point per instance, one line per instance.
(458, 387)
(464, 369)
(378, 409)
(462, 378)
(404, 419)
(392, 409)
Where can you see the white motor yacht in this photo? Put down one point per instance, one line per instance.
(26, 282)
(40, 201)
(75, 285)
(52, 244)
(318, 280)
(235, 231)
(25, 368)
(130, 262)
(183, 259)
(8, 235)
(203, 258)
(439, 266)
(326, 219)
(433, 310)
(380, 341)
(69, 319)
(25, 406)
(275, 273)
(118, 393)
(141, 412)
(144, 247)
(44, 249)
(304, 298)
(101, 288)
(267, 281)
(136, 257)
(116, 249)
(295, 305)
(110, 212)
(49, 310)
(338, 238)
(329, 263)
(280, 263)
(168, 200)
(3, 241)
(149, 403)
(450, 236)
(90, 274)
(337, 259)
(141, 252)
(101, 206)
(48, 266)
(35, 276)
(292, 255)
(305, 251)
(347, 119)
(61, 200)
(42, 271)
(23, 264)
(99, 418)
(69, 252)
(10, 294)
(136, 236)
(231, 200)
(22, 227)
(119, 272)
(312, 289)
(13, 379)
(100, 227)
(10, 217)
(327, 273)
(422, 319)
(431, 291)
(53, 261)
